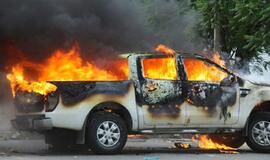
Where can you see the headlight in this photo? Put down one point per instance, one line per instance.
(29, 102)
(52, 100)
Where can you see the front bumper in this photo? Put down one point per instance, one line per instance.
(32, 122)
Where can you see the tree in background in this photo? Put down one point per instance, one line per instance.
(242, 26)
(173, 23)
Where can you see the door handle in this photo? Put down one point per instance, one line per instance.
(244, 92)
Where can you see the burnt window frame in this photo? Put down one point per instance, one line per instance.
(141, 67)
(207, 61)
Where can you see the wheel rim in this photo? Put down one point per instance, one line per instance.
(261, 133)
(108, 133)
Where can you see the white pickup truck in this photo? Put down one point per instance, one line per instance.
(203, 97)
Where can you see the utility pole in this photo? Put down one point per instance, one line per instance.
(217, 45)
(217, 38)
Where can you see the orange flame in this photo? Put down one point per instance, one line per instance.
(69, 66)
(182, 145)
(63, 66)
(198, 70)
(160, 68)
(164, 49)
(204, 142)
(17, 81)
(217, 59)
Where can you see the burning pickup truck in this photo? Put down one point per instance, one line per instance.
(179, 93)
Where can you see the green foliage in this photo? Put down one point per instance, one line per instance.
(245, 25)
(178, 20)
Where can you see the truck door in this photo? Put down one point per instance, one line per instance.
(210, 101)
(160, 94)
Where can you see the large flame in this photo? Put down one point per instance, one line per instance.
(204, 142)
(63, 66)
(69, 66)
(198, 70)
(218, 60)
(18, 82)
(161, 68)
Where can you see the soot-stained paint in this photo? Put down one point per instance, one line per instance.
(213, 96)
(74, 92)
(163, 97)
(162, 92)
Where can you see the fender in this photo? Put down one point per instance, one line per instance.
(74, 116)
(258, 95)
(115, 107)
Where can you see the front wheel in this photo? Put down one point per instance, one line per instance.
(107, 133)
(258, 138)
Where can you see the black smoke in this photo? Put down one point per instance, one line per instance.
(103, 27)
(33, 29)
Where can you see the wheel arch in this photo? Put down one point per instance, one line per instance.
(260, 107)
(108, 106)
(114, 107)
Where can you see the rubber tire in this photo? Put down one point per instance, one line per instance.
(259, 116)
(233, 140)
(95, 121)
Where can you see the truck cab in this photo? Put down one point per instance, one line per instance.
(190, 92)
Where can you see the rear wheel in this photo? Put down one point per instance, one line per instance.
(107, 133)
(233, 140)
(258, 138)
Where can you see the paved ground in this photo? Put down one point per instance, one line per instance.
(151, 149)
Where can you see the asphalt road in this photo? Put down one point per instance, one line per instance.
(151, 149)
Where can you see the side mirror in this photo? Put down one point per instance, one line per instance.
(228, 81)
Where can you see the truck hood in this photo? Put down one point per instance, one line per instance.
(267, 84)
(254, 81)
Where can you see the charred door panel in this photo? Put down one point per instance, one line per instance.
(211, 102)
(160, 97)
(162, 102)
(203, 94)
(162, 92)
(163, 97)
